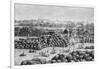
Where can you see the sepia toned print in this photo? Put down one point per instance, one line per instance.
(45, 34)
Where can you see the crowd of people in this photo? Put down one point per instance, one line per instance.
(83, 33)
(53, 40)
(75, 56)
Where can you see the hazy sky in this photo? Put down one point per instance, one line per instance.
(28, 11)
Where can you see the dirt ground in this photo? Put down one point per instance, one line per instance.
(49, 52)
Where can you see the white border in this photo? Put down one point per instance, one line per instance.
(56, 3)
(45, 66)
(12, 34)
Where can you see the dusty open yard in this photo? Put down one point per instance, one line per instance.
(50, 52)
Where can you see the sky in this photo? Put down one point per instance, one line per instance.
(30, 11)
